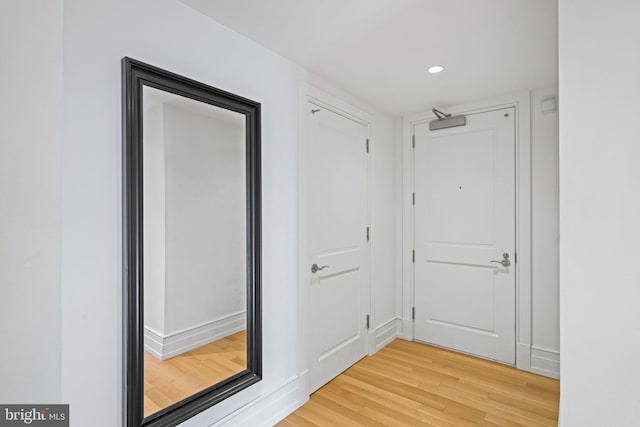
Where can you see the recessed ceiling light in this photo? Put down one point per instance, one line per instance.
(435, 69)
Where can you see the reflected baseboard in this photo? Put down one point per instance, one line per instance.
(166, 346)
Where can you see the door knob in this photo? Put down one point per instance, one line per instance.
(504, 261)
(315, 268)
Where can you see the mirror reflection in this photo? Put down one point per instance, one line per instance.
(195, 254)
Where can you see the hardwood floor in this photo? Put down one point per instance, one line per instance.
(169, 381)
(412, 384)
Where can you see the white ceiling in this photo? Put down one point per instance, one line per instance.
(379, 50)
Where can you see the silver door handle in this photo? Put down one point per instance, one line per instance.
(315, 268)
(504, 261)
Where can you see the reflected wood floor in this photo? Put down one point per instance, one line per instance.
(412, 384)
(169, 381)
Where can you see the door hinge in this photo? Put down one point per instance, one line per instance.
(367, 145)
(515, 257)
(368, 321)
(413, 198)
(413, 141)
(367, 233)
(413, 255)
(413, 313)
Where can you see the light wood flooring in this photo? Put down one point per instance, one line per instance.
(412, 384)
(169, 381)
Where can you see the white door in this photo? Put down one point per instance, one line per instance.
(337, 167)
(464, 223)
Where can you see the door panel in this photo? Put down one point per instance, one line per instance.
(342, 327)
(339, 294)
(475, 283)
(464, 219)
(460, 187)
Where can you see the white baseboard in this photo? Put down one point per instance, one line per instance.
(272, 408)
(545, 362)
(167, 346)
(407, 329)
(523, 357)
(383, 335)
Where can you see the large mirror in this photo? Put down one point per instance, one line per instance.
(192, 245)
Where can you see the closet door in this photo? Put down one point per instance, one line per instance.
(337, 168)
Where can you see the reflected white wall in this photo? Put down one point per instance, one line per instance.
(154, 218)
(205, 219)
(194, 218)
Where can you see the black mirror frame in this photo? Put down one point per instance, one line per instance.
(135, 75)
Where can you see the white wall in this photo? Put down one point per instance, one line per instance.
(545, 333)
(599, 212)
(30, 140)
(170, 35)
(384, 228)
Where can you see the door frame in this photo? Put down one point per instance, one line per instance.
(325, 100)
(522, 104)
